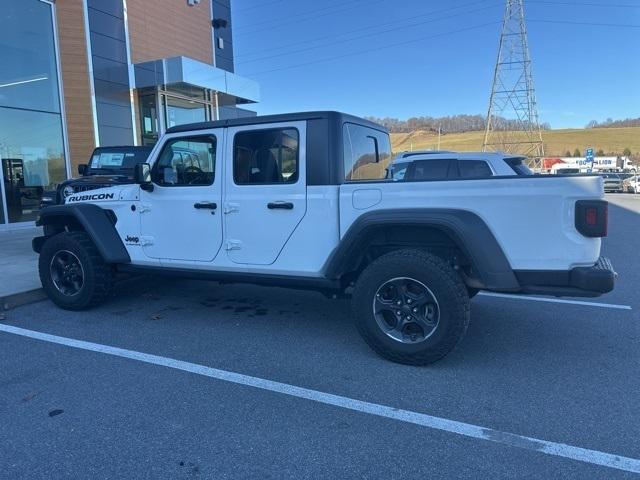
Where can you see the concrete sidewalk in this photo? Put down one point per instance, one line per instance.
(19, 281)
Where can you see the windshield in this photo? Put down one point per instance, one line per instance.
(118, 160)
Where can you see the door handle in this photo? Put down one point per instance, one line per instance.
(205, 205)
(280, 205)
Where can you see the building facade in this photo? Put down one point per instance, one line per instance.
(77, 74)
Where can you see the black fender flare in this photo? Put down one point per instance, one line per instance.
(96, 221)
(465, 228)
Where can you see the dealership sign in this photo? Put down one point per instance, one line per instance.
(589, 160)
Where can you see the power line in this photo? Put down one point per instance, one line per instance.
(588, 24)
(583, 4)
(369, 27)
(453, 32)
(375, 27)
(376, 49)
(360, 52)
(376, 33)
(253, 7)
(310, 13)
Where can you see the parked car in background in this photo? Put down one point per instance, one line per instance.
(444, 165)
(107, 166)
(612, 182)
(632, 184)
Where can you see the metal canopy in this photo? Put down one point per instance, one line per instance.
(187, 71)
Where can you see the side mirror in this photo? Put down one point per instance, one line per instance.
(142, 176)
(82, 169)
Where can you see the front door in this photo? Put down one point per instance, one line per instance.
(181, 218)
(266, 194)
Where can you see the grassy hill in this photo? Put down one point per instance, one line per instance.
(557, 142)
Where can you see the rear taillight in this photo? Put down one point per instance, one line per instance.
(592, 217)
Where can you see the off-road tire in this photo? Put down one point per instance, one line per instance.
(98, 276)
(446, 286)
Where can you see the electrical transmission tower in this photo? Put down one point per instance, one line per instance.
(512, 120)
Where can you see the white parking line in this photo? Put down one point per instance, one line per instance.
(555, 300)
(594, 457)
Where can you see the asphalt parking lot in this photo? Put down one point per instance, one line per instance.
(190, 379)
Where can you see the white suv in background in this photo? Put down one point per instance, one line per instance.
(444, 165)
(632, 184)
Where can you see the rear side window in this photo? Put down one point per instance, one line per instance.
(431, 169)
(367, 153)
(474, 169)
(266, 157)
(517, 165)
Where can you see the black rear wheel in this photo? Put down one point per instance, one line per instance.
(411, 307)
(72, 272)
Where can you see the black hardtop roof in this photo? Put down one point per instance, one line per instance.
(283, 117)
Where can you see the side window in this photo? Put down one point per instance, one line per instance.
(262, 157)
(431, 169)
(186, 161)
(474, 169)
(367, 153)
(518, 166)
(397, 172)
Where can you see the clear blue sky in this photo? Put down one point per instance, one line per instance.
(582, 72)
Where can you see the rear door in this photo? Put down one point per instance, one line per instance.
(266, 194)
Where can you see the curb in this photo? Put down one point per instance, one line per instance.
(22, 298)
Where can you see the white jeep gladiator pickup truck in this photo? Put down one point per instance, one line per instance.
(301, 200)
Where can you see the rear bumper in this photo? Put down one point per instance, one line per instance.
(590, 281)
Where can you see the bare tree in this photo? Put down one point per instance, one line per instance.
(449, 124)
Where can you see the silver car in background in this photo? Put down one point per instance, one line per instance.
(612, 183)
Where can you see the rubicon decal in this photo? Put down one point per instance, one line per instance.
(95, 196)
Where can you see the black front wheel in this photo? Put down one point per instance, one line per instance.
(73, 274)
(411, 307)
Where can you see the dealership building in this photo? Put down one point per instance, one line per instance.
(77, 74)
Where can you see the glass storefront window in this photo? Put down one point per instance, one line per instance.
(32, 154)
(148, 119)
(179, 111)
(174, 109)
(28, 77)
(31, 135)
